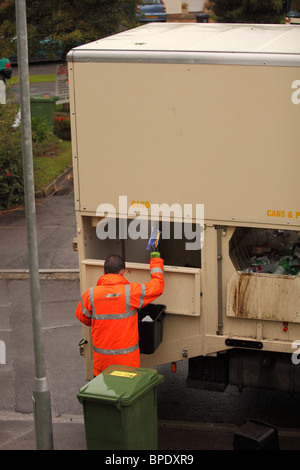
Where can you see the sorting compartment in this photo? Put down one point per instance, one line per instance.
(260, 250)
(151, 325)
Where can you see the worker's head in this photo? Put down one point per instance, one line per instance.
(114, 264)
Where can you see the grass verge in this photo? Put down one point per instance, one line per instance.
(34, 79)
(48, 166)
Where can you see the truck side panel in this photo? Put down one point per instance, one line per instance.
(219, 135)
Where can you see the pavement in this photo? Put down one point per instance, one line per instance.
(65, 367)
(17, 432)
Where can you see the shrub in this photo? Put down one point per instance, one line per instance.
(11, 165)
(62, 127)
(40, 130)
(44, 142)
(249, 11)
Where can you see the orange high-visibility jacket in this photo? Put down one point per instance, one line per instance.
(110, 308)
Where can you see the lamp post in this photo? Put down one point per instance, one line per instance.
(41, 392)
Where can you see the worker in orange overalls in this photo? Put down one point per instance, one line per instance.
(110, 308)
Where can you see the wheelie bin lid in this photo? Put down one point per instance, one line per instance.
(43, 98)
(120, 385)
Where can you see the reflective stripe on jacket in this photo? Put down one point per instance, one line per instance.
(110, 308)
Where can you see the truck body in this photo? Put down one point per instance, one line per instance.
(193, 128)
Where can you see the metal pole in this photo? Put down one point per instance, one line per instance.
(41, 392)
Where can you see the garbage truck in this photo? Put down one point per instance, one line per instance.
(193, 129)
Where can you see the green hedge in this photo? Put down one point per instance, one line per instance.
(11, 166)
(50, 155)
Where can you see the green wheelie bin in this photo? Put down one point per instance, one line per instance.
(120, 409)
(43, 106)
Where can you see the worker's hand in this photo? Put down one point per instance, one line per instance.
(155, 254)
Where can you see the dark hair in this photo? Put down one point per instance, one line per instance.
(114, 264)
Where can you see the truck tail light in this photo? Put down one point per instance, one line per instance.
(164, 6)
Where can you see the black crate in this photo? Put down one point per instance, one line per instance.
(256, 435)
(151, 332)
